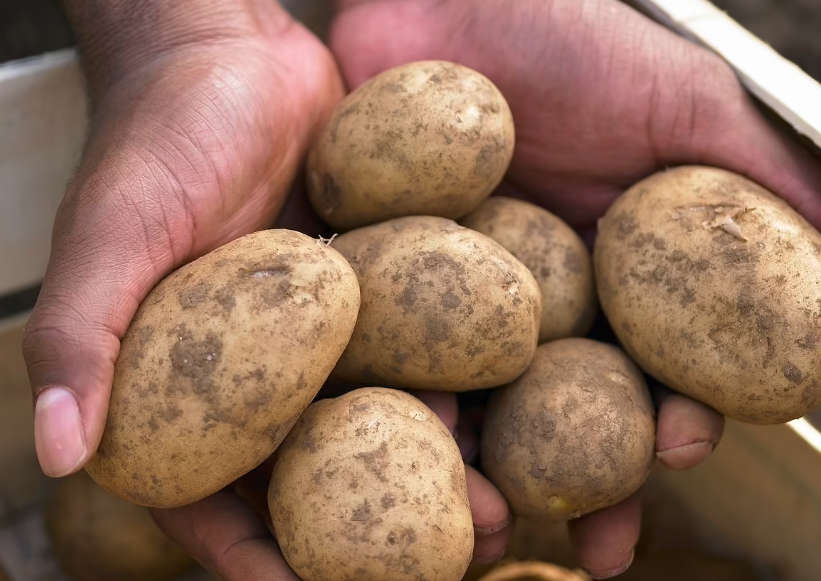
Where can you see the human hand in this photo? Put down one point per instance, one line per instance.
(202, 112)
(602, 97)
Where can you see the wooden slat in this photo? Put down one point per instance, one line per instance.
(758, 496)
(778, 83)
(42, 121)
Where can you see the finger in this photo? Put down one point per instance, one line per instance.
(491, 548)
(487, 505)
(96, 278)
(605, 541)
(491, 518)
(227, 537)
(468, 442)
(688, 431)
(442, 404)
(253, 489)
(471, 416)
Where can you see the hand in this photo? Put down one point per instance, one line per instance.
(602, 97)
(202, 112)
(230, 533)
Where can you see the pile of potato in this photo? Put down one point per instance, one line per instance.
(707, 280)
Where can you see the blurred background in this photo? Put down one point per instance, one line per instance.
(792, 27)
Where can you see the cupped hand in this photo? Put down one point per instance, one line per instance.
(199, 121)
(601, 97)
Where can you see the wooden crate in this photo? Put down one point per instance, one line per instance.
(758, 497)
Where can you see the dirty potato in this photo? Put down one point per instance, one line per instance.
(574, 434)
(221, 358)
(432, 138)
(97, 536)
(371, 486)
(555, 255)
(443, 307)
(712, 285)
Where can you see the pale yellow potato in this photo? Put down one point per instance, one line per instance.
(713, 286)
(371, 486)
(221, 358)
(97, 536)
(555, 255)
(431, 137)
(443, 307)
(574, 434)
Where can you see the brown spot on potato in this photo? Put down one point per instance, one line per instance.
(195, 360)
(226, 299)
(362, 513)
(792, 373)
(190, 297)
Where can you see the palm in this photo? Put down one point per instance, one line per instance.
(212, 143)
(602, 99)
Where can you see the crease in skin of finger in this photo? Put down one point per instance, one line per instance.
(688, 431)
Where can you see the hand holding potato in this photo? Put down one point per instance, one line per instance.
(596, 110)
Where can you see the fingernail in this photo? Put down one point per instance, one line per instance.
(617, 571)
(487, 531)
(683, 457)
(58, 432)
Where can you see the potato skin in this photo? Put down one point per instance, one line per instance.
(221, 358)
(99, 537)
(712, 285)
(574, 434)
(443, 308)
(371, 486)
(555, 255)
(430, 137)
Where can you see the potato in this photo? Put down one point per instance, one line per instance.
(431, 138)
(371, 486)
(712, 285)
(99, 537)
(221, 358)
(555, 255)
(574, 434)
(443, 308)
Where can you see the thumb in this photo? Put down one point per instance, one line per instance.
(105, 259)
